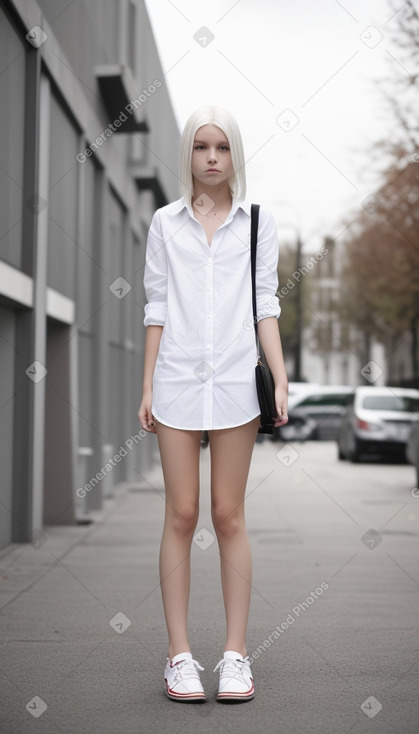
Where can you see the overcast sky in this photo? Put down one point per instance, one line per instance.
(264, 58)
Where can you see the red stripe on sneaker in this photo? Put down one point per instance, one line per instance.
(235, 694)
(175, 694)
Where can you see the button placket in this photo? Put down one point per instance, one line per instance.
(209, 338)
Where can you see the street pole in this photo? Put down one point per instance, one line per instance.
(299, 320)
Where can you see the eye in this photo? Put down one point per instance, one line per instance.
(224, 147)
(199, 147)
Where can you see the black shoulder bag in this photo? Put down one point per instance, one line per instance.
(264, 381)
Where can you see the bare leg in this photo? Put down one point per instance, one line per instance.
(231, 453)
(179, 451)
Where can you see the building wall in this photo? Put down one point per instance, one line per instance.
(72, 244)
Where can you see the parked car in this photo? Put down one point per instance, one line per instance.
(412, 448)
(377, 420)
(314, 413)
(298, 388)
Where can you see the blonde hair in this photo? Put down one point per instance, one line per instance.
(222, 118)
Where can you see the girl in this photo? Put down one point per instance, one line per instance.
(199, 374)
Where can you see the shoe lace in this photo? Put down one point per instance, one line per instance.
(232, 668)
(190, 667)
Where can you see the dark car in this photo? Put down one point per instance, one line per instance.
(377, 420)
(315, 413)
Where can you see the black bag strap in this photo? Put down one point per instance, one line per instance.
(254, 219)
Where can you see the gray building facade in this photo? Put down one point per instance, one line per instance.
(89, 149)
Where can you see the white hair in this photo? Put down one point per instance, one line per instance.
(222, 118)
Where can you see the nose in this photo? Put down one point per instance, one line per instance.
(212, 155)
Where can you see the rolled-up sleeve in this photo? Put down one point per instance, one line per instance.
(267, 302)
(155, 276)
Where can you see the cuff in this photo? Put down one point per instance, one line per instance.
(155, 313)
(267, 308)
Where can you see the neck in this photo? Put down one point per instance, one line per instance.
(220, 195)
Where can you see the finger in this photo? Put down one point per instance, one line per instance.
(151, 423)
(145, 419)
(280, 423)
(282, 416)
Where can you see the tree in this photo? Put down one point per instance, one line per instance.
(380, 287)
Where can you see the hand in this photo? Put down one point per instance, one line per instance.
(145, 415)
(281, 402)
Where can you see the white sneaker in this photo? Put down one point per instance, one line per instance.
(236, 682)
(182, 678)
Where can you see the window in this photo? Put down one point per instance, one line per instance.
(88, 254)
(12, 114)
(132, 19)
(117, 306)
(325, 399)
(391, 402)
(63, 187)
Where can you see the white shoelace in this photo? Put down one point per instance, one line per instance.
(237, 667)
(190, 667)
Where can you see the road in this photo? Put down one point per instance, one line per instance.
(333, 629)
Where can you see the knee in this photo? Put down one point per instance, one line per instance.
(227, 521)
(183, 519)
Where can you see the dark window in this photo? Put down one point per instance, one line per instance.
(132, 19)
(12, 112)
(391, 402)
(325, 399)
(62, 205)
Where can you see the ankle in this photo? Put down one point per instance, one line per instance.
(237, 648)
(177, 650)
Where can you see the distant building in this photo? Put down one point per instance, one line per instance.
(333, 353)
(89, 146)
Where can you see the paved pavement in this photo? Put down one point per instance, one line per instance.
(333, 629)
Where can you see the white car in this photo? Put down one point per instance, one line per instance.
(412, 449)
(298, 388)
(377, 420)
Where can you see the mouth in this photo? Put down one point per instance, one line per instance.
(212, 170)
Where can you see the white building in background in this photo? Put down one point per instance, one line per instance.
(326, 358)
(89, 146)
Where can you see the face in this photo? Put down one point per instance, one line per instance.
(211, 156)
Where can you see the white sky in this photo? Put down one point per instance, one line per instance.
(270, 56)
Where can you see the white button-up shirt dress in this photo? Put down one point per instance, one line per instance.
(204, 376)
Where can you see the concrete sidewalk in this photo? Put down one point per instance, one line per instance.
(333, 629)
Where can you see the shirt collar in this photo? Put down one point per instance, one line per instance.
(182, 203)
